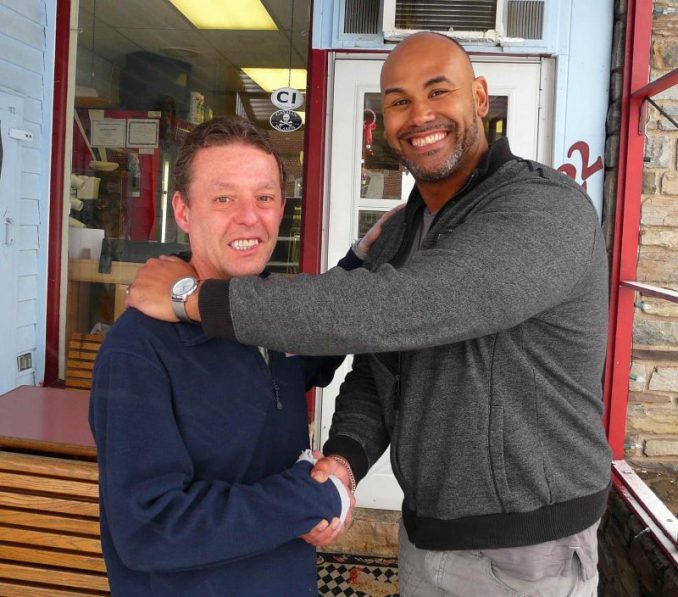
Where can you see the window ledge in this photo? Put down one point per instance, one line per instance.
(657, 518)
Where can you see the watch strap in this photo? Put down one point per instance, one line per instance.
(179, 308)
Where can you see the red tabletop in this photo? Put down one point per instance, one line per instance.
(46, 419)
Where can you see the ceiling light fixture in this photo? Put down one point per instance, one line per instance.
(249, 15)
(274, 78)
(179, 52)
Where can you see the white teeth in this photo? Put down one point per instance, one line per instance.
(428, 139)
(242, 245)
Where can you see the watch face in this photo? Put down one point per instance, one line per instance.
(183, 286)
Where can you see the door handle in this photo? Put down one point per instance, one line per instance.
(9, 231)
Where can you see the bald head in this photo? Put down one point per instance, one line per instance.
(425, 44)
(433, 107)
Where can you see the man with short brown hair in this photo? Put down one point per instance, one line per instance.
(203, 490)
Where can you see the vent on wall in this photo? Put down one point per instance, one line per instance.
(361, 17)
(486, 21)
(443, 15)
(525, 19)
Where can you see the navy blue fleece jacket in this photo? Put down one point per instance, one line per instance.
(197, 441)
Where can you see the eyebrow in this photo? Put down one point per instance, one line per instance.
(225, 184)
(433, 81)
(436, 80)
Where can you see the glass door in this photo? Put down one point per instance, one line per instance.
(365, 180)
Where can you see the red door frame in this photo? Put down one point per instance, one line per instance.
(55, 224)
(640, 499)
(314, 156)
(627, 217)
(314, 162)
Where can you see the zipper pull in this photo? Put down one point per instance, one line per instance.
(396, 384)
(396, 392)
(276, 393)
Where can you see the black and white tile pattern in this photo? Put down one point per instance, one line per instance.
(343, 575)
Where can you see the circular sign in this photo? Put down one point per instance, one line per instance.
(287, 98)
(285, 121)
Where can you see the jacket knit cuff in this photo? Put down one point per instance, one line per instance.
(351, 450)
(215, 309)
(350, 261)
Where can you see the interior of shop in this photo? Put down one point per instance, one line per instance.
(145, 74)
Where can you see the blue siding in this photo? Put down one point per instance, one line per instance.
(16, 26)
(27, 33)
(33, 11)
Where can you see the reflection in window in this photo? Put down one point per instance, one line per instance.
(145, 76)
(381, 173)
(366, 219)
(495, 121)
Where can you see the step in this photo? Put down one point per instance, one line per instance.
(371, 533)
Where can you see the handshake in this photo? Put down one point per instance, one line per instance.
(337, 470)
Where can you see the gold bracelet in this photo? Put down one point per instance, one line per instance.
(343, 461)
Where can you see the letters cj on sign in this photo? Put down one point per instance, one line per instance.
(287, 98)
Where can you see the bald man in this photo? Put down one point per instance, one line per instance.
(479, 321)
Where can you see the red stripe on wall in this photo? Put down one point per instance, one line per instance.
(314, 162)
(59, 129)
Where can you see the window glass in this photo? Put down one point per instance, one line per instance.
(145, 76)
(382, 176)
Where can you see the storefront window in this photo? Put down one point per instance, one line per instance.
(146, 74)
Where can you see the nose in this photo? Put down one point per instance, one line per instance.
(421, 112)
(246, 214)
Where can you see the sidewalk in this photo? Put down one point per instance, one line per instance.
(363, 562)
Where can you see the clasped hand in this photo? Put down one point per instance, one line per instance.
(325, 532)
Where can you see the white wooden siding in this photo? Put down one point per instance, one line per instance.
(26, 58)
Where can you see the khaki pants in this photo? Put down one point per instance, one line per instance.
(425, 573)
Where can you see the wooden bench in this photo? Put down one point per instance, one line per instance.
(82, 352)
(49, 527)
(49, 496)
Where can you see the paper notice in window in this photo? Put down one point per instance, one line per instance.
(109, 132)
(143, 132)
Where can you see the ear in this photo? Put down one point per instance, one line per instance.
(481, 97)
(181, 212)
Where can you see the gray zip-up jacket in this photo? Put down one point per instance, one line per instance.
(479, 358)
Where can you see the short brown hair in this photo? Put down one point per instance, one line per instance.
(220, 130)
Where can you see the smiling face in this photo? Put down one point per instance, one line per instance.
(433, 109)
(233, 212)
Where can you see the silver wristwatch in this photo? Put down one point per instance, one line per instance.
(181, 290)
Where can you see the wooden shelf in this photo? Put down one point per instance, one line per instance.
(87, 270)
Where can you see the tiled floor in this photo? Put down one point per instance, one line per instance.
(342, 575)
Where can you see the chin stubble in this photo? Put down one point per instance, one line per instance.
(451, 164)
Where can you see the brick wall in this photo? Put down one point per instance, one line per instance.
(652, 420)
(630, 563)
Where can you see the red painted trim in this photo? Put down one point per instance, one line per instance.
(59, 129)
(627, 224)
(314, 162)
(314, 158)
(619, 218)
(658, 85)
